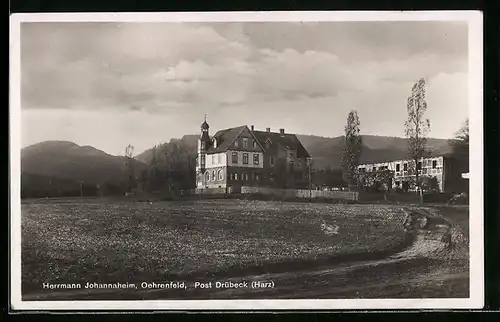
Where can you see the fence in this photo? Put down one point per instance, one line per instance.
(403, 197)
(301, 193)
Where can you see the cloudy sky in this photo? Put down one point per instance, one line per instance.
(113, 84)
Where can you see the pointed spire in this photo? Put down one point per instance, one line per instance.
(204, 125)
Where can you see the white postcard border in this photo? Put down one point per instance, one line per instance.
(476, 299)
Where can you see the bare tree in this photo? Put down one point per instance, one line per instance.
(352, 149)
(129, 163)
(463, 133)
(417, 126)
(460, 148)
(460, 143)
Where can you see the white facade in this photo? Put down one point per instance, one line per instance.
(216, 160)
(433, 167)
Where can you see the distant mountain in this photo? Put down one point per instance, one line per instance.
(63, 160)
(327, 152)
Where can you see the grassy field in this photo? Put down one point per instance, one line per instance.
(92, 240)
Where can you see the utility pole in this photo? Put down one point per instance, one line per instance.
(129, 163)
(309, 175)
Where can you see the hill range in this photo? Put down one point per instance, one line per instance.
(69, 163)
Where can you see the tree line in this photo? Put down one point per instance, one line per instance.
(171, 167)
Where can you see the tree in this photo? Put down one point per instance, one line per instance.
(352, 149)
(171, 164)
(460, 143)
(430, 183)
(377, 181)
(417, 126)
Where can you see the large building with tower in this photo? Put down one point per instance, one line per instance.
(243, 156)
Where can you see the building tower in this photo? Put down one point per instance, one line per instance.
(203, 144)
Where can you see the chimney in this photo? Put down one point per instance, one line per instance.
(268, 129)
(282, 132)
(251, 127)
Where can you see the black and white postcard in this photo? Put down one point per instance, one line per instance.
(246, 161)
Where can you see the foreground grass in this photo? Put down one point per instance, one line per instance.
(96, 241)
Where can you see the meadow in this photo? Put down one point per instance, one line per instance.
(71, 240)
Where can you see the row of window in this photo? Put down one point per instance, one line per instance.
(245, 143)
(218, 159)
(256, 161)
(424, 171)
(405, 166)
(244, 176)
(219, 176)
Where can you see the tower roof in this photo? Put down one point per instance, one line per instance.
(204, 125)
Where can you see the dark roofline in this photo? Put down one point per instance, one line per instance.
(242, 128)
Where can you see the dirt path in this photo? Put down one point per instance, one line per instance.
(433, 262)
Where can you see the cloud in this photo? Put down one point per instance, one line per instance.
(305, 76)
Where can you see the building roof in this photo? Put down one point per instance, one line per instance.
(289, 141)
(226, 137)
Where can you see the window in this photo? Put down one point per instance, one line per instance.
(397, 183)
(235, 176)
(245, 158)
(221, 175)
(207, 177)
(374, 169)
(236, 143)
(398, 167)
(244, 176)
(235, 157)
(271, 176)
(254, 176)
(271, 160)
(256, 159)
(245, 142)
(405, 167)
(214, 158)
(419, 165)
(434, 164)
(254, 144)
(213, 176)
